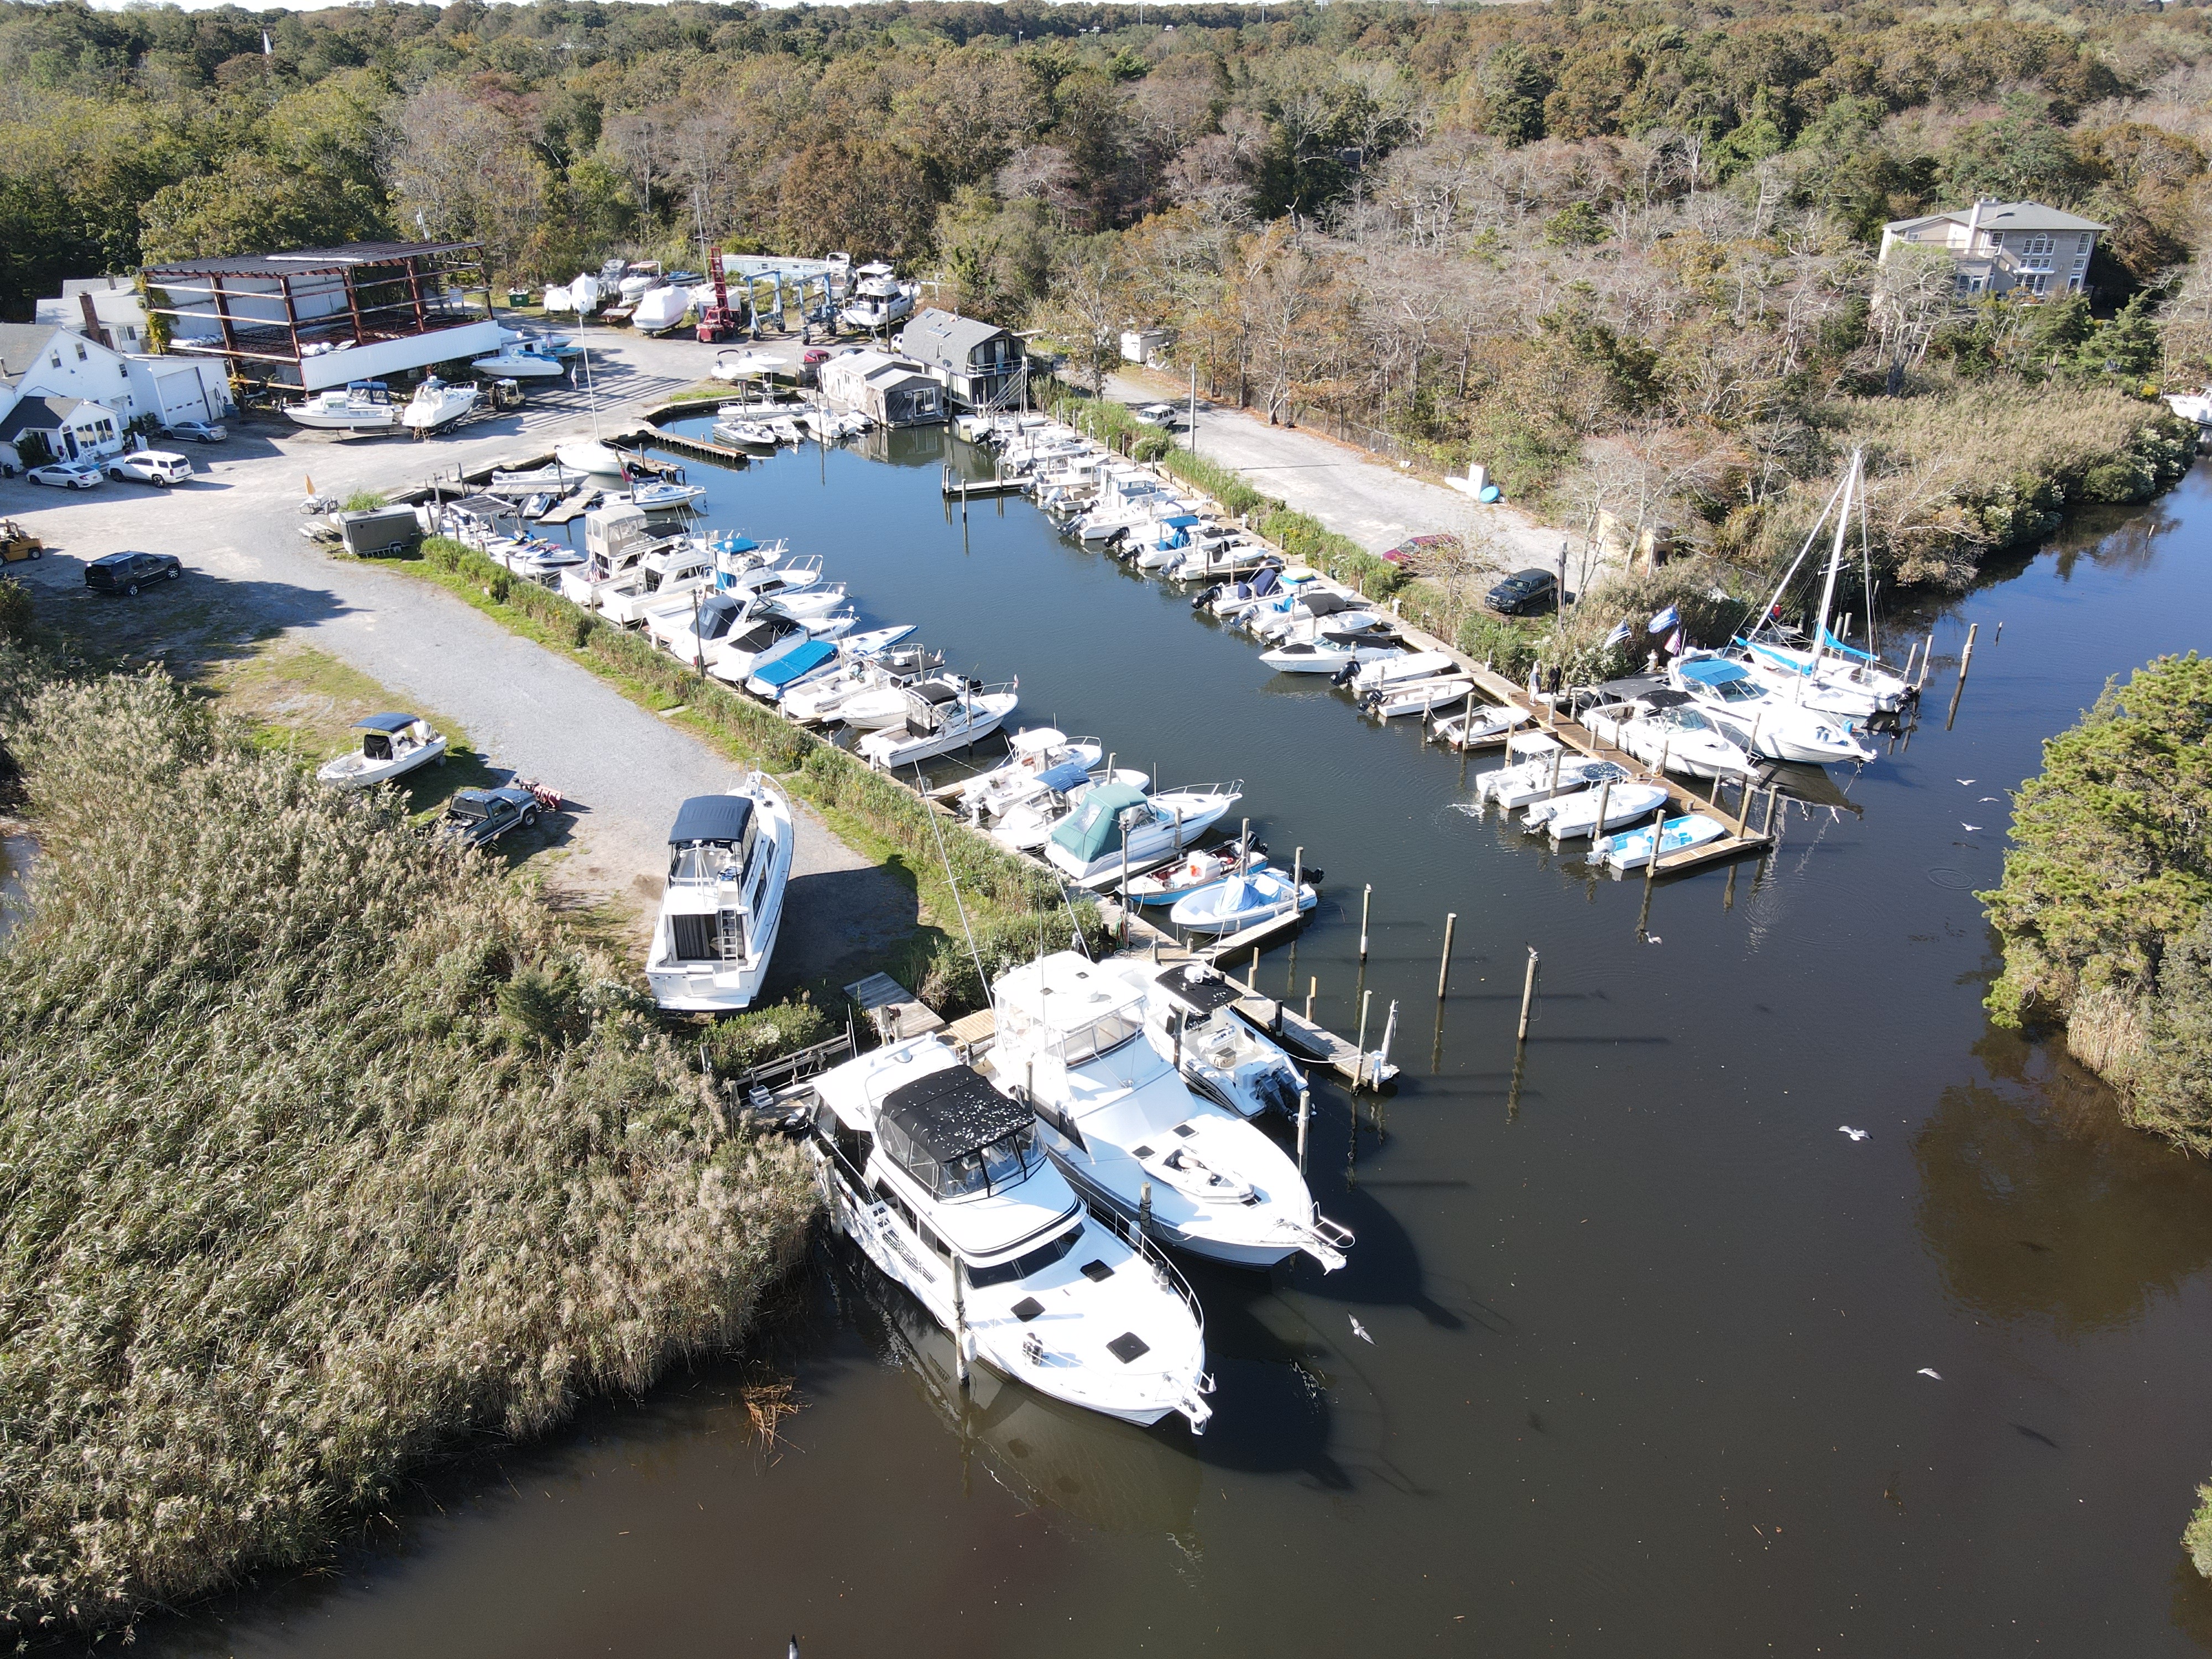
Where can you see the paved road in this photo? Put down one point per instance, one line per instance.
(528, 709)
(1375, 504)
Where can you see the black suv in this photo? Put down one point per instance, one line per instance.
(1524, 590)
(126, 573)
(477, 818)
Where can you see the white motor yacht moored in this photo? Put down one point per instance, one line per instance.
(940, 1179)
(729, 860)
(944, 712)
(1664, 729)
(1761, 718)
(1120, 1121)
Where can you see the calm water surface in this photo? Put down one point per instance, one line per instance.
(1647, 1329)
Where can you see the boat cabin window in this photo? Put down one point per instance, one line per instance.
(991, 1168)
(1022, 1267)
(1101, 1035)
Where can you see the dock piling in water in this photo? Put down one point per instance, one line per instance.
(1365, 894)
(1528, 994)
(1444, 968)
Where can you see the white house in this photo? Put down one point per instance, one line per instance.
(109, 309)
(73, 428)
(2022, 248)
(45, 360)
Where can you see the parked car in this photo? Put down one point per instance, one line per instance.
(477, 818)
(1158, 414)
(158, 467)
(200, 432)
(126, 573)
(1524, 590)
(69, 475)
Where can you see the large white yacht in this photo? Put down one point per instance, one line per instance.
(1761, 718)
(729, 859)
(1118, 1120)
(940, 1179)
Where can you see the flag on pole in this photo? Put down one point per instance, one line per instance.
(1665, 620)
(1619, 635)
(1674, 644)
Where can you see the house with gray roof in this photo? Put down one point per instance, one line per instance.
(980, 365)
(2023, 249)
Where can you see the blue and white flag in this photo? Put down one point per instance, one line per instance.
(1665, 620)
(1619, 636)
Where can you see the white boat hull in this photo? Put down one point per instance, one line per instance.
(363, 419)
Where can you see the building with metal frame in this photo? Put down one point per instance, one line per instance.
(316, 318)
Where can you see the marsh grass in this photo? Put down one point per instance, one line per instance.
(323, 1153)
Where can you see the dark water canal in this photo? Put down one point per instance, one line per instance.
(1648, 1331)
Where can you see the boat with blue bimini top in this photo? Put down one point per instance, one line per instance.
(940, 1178)
(729, 860)
(1125, 1130)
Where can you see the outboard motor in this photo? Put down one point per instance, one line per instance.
(1206, 598)
(1343, 676)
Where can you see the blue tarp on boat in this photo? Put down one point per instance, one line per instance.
(782, 672)
(1068, 775)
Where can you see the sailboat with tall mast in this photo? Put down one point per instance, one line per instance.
(1827, 674)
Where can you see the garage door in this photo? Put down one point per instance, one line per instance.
(180, 396)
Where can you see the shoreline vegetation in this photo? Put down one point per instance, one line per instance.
(325, 1153)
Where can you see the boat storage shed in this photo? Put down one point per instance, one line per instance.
(315, 318)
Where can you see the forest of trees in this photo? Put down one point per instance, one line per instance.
(1623, 254)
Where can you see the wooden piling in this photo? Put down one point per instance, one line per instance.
(1528, 994)
(1966, 657)
(1360, 1066)
(1444, 968)
(1366, 894)
(1927, 659)
(1305, 1116)
(1313, 988)
(959, 1328)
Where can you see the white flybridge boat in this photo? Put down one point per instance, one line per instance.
(1031, 754)
(1190, 1015)
(940, 1179)
(1667, 732)
(1117, 1118)
(1830, 675)
(1762, 720)
(391, 745)
(363, 406)
(667, 574)
(437, 402)
(878, 299)
(943, 713)
(729, 860)
(1118, 830)
(617, 540)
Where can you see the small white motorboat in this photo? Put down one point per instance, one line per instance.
(1333, 651)
(2192, 406)
(733, 364)
(1542, 767)
(523, 360)
(437, 402)
(662, 497)
(555, 480)
(363, 406)
(940, 1178)
(1194, 871)
(822, 701)
(1258, 895)
(391, 745)
(660, 308)
(1030, 753)
(1413, 665)
(1191, 1017)
(1567, 817)
(1422, 697)
(1118, 830)
(943, 713)
(1483, 724)
(745, 434)
(1632, 849)
(763, 638)
(729, 860)
(1665, 729)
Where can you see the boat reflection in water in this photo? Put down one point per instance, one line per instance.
(1105, 1473)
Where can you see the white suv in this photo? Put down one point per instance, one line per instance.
(158, 467)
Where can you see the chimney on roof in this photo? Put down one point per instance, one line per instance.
(1974, 222)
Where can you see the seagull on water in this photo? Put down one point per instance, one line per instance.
(1963, 824)
(1359, 1329)
(1856, 1134)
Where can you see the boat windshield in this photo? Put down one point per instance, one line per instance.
(703, 861)
(989, 1169)
(1022, 1267)
(1101, 1035)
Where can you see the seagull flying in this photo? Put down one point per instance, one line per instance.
(1963, 824)
(1964, 780)
(1856, 1134)
(1930, 1371)
(1359, 1329)
(1651, 939)
(1987, 798)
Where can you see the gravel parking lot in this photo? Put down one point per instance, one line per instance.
(236, 527)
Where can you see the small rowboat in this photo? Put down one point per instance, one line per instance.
(391, 745)
(1241, 901)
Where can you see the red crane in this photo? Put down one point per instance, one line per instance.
(717, 319)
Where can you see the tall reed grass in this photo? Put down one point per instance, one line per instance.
(323, 1152)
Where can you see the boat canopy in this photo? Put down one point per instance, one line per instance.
(733, 544)
(1093, 827)
(1713, 670)
(712, 817)
(937, 691)
(763, 634)
(1036, 740)
(956, 1135)
(1180, 520)
(388, 723)
(803, 660)
(1327, 605)
(1068, 775)
(1665, 697)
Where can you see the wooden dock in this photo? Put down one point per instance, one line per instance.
(682, 444)
(894, 1010)
(980, 489)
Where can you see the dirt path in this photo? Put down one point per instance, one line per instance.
(529, 710)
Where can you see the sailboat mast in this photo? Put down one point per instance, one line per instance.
(1835, 564)
(1790, 574)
